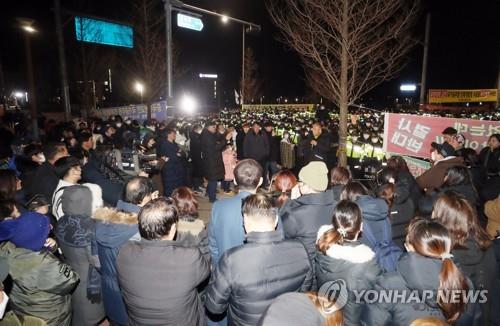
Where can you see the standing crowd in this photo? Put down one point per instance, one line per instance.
(83, 241)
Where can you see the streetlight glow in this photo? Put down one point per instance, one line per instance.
(29, 28)
(188, 104)
(213, 76)
(139, 87)
(408, 87)
(19, 94)
(224, 19)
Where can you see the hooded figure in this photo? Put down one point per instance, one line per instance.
(75, 233)
(41, 283)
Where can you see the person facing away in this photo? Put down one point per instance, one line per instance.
(342, 256)
(173, 171)
(158, 276)
(471, 246)
(114, 227)
(310, 207)
(250, 276)
(225, 229)
(428, 266)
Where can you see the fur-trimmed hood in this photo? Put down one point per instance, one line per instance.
(353, 252)
(112, 215)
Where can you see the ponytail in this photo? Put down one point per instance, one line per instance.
(451, 282)
(328, 239)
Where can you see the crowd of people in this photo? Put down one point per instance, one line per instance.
(100, 224)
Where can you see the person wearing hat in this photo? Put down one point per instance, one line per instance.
(42, 284)
(310, 207)
(443, 157)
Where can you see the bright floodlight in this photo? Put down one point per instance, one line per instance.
(19, 94)
(224, 19)
(188, 104)
(212, 76)
(29, 28)
(139, 87)
(408, 87)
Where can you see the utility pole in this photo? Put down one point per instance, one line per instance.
(176, 5)
(423, 82)
(243, 66)
(31, 85)
(62, 61)
(168, 25)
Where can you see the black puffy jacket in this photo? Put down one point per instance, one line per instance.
(355, 264)
(211, 153)
(427, 202)
(415, 274)
(401, 213)
(302, 218)
(375, 215)
(250, 276)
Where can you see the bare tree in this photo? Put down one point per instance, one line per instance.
(149, 52)
(348, 47)
(252, 86)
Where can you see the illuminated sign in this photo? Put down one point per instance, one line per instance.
(103, 32)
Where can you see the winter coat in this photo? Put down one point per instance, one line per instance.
(225, 229)
(434, 177)
(250, 276)
(490, 161)
(354, 263)
(256, 146)
(415, 273)
(111, 190)
(481, 268)
(41, 284)
(274, 147)
(44, 181)
(337, 190)
(407, 184)
(173, 170)
(240, 138)
(492, 211)
(195, 154)
(302, 218)
(375, 214)
(159, 280)
(211, 152)
(193, 233)
(229, 159)
(75, 234)
(292, 309)
(401, 213)
(113, 229)
(318, 152)
(427, 202)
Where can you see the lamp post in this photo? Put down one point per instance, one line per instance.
(27, 27)
(139, 87)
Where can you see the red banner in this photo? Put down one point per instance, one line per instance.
(412, 135)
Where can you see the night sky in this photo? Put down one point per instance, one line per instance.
(464, 49)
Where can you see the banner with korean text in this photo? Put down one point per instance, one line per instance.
(462, 95)
(412, 135)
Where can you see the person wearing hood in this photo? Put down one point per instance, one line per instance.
(429, 251)
(471, 247)
(457, 179)
(310, 207)
(443, 156)
(299, 309)
(342, 256)
(75, 234)
(114, 228)
(405, 181)
(42, 284)
(397, 197)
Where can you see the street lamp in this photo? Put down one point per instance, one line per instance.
(224, 19)
(139, 87)
(27, 26)
(188, 104)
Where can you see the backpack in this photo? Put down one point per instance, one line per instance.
(387, 253)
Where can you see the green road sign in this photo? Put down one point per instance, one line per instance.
(189, 22)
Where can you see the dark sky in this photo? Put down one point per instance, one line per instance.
(464, 49)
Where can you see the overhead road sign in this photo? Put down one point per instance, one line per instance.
(189, 22)
(103, 32)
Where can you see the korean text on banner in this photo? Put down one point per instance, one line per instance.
(412, 135)
(462, 95)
